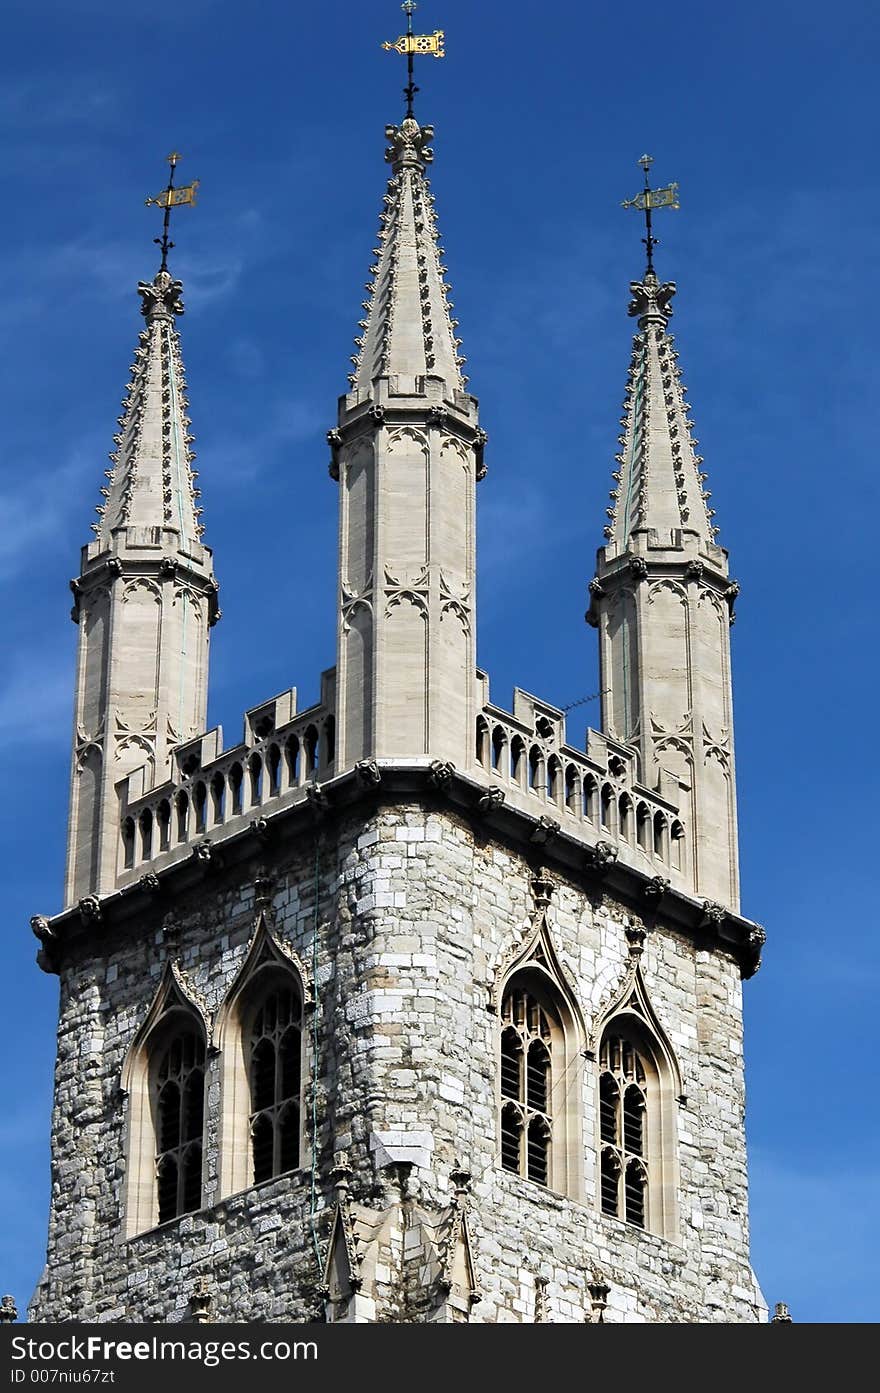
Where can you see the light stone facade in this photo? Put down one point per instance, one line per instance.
(419, 904)
(396, 860)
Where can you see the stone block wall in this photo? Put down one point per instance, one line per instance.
(415, 911)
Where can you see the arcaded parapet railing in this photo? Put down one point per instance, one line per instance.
(215, 793)
(593, 793)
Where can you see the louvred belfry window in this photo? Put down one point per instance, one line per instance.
(274, 1053)
(623, 1084)
(526, 1120)
(180, 1109)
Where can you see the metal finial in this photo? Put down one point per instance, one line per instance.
(647, 201)
(409, 44)
(169, 198)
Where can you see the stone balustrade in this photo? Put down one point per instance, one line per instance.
(216, 791)
(595, 793)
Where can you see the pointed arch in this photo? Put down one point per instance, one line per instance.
(638, 1085)
(163, 1074)
(541, 1039)
(259, 1037)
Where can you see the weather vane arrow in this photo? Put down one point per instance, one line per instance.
(169, 198)
(409, 44)
(646, 201)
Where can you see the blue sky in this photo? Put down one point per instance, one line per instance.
(765, 114)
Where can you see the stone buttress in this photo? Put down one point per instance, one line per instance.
(662, 601)
(143, 602)
(407, 452)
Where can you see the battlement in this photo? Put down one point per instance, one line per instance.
(214, 792)
(594, 795)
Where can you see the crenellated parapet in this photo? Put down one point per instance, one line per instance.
(595, 795)
(214, 793)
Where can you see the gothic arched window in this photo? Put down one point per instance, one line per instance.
(274, 1045)
(527, 1038)
(178, 1088)
(625, 1079)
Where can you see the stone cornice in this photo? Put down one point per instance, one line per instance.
(108, 567)
(710, 925)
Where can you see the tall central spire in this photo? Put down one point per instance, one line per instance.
(408, 329)
(407, 452)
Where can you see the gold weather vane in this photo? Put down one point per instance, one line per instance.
(649, 199)
(409, 44)
(169, 198)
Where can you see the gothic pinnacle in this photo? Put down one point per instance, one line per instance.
(407, 328)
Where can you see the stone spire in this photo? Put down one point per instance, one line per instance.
(408, 330)
(144, 600)
(407, 452)
(663, 603)
(152, 482)
(658, 483)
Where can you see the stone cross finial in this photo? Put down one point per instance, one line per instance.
(160, 297)
(409, 146)
(651, 301)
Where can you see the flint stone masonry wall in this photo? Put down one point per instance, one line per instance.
(415, 912)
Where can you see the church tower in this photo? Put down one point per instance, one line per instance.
(403, 1007)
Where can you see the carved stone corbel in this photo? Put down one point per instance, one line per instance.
(90, 909)
(757, 939)
(200, 1302)
(262, 828)
(206, 855)
(263, 888)
(635, 937)
(542, 888)
(597, 1286)
(368, 773)
(541, 1284)
(42, 930)
(440, 774)
(713, 915)
(546, 830)
(601, 857)
(655, 889)
(317, 798)
(490, 801)
(170, 930)
(334, 440)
